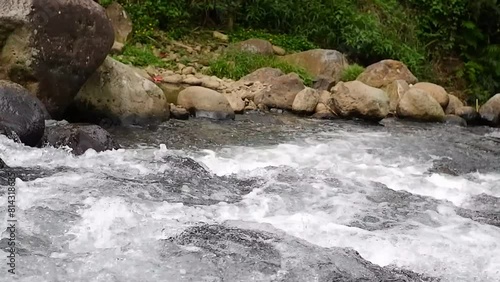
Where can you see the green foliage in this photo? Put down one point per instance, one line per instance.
(105, 3)
(417, 32)
(139, 56)
(286, 41)
(351, 72)
(236, 64)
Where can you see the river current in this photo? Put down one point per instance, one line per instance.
(422, 198)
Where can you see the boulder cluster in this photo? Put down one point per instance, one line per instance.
(55, 64)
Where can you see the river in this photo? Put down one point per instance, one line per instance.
(262, 198)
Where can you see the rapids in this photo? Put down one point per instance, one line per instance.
(417, 202)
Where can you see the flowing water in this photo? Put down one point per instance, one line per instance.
(263, 198)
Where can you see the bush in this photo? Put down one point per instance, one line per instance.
(420, 33)
(351, 72)
(236, 64)
(288, 42)
(139, 56)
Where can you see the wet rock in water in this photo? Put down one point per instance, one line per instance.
(455, 120)
(9, 133)
(355, 99)
(178, 112)
(490, 111)
(394, 208)
(79, 137)
(204, 102)
(482, 208)
(185, 181)
(117, 93)
(52, 47)
(245, 251)
(469, 114)
(21, 114)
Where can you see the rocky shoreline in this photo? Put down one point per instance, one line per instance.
(44, 76)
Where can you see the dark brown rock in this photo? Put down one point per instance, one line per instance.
(79, 137)
(469, 114)
(22, 115)
(51, 47)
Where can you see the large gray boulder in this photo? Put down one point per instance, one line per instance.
(22, 115)
(117, 93)
(52, 47)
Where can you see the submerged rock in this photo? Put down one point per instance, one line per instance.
(52, 47)
(79, 137)
(22, 115)
(455, 120)
(245, 251)
(482, 208)
(184, 181)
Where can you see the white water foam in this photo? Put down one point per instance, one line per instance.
(115, 235)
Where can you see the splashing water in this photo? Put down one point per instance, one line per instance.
(101, 216)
